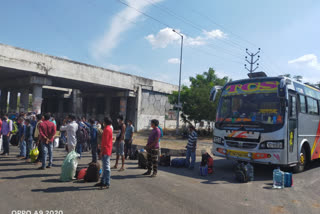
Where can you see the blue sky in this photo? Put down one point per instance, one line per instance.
(109, 34)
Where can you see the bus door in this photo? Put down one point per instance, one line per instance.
(292, 144)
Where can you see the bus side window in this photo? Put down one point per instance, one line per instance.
(312, 106)
(292, 106)
(303, 108)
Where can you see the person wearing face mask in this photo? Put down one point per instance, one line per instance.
(5, 132)
(71, 128)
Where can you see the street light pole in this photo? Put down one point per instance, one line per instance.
(179, 104)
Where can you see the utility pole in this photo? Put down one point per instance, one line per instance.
(178, 106)
(251, 62)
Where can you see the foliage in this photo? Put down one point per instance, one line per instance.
(196, 105)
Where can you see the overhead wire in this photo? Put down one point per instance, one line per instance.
(192, 24)
(155, 19)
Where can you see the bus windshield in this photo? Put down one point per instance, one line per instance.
(254, 112)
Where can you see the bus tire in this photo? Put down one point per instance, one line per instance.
(302, 162)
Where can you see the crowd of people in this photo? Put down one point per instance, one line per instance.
(30, 131)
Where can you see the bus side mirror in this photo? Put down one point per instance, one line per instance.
(282, 87)
(213, 93)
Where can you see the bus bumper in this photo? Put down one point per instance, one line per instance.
(262, 157)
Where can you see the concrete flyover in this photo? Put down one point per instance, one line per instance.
(62, 86)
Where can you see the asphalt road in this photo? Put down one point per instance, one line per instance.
(175, 190)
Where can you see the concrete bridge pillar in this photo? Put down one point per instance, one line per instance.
(37, 98)
(3, 101)
(77, 102)
(13, 100)
(123, 107)
(108, 100)
(24, 100)
(138, 108)
(60, 107)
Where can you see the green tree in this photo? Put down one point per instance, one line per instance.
(196, 105)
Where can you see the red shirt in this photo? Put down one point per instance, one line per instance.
(47, 129)
(106, 142)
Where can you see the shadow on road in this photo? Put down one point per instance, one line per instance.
(64, 189)
(223, 172)
(14, 170)
(30, 176)
(14, 164)
(126, 176)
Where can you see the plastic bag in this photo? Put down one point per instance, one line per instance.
(34, 154)
(69, 167)
(56, 142)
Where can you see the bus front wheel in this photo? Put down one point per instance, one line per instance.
(302, 162)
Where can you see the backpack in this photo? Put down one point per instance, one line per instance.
(142, 160)
(82, 135)
(92, 174)
(178, 162)
(204, 159)
(165, 160)
(81, 174)
(14, 127)
(14, 140)
(134, 155)
(210, 165)
(241, 173)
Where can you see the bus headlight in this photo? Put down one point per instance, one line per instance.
(272, 145)
(218, 140)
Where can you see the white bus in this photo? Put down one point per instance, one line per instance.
(268, 120)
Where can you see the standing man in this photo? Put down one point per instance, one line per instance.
(28, 138)
(71, 128)
(6, 130)
(128, 139)
(153, 149)
(40, 119)
(191, 147)
(47, 131)
(106, 150)
(120, 143)
(21, 134)
(93, 140)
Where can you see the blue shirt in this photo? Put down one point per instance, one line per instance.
(93, 133)
(129, 131)
(22, 130)
(33, 123)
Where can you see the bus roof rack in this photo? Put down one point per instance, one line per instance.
(257, 74)
(312, 85)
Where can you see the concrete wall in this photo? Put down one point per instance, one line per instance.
(150, 97)
(37, 63)
(154, 105)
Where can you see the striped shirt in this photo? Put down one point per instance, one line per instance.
(192, 140)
